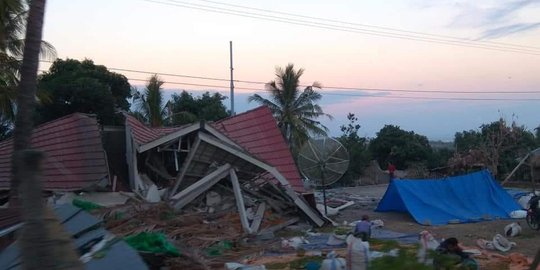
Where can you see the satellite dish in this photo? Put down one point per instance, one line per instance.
(323, 161)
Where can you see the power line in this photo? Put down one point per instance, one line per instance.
(324, 87)
(224, 88)
(342, 28)
(369, 25)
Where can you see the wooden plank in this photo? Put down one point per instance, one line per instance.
(190, 193)
(310, 212)
(185, 166)
(280, 226)
(239, 201)
(256, 223)
(169, 137)
(515, 169)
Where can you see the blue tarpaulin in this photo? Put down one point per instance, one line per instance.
(467, 198)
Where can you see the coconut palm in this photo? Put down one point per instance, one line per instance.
(295, 110)
(43, 243)
(151, 106)
(13, 15)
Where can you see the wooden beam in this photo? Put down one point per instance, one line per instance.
(310, 212)
(190, 193)
(185, 166)
(240, 202)
(256, 223)
(169, 137)
(280, 226)
(515, 169)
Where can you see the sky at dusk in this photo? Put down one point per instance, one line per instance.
(184, 37)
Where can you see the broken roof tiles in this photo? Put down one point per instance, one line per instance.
(257, 132)
(75, 157)
(143, 134)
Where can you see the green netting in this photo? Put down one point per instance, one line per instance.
(152, 242)
(86, 205)
(218, 248)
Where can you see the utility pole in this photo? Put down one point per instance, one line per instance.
(232, 81)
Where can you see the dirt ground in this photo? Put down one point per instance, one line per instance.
(527, 243)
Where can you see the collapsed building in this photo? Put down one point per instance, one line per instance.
(180, 164)
(240, 164)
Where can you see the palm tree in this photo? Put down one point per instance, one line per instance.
(43, 243)
(13, 16)
(295, 110)
(151, 107)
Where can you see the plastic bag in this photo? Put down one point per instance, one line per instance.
(357, 253)
(152, 242)
(333, 263)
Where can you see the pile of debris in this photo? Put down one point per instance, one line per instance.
(208, 232)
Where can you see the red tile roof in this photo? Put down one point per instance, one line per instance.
(75, 158)
(257, 132)
(143, 134)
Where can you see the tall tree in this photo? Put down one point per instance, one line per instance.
(82, 86)
(400, 147)
(295, 110)
(357, 147)
(43, 246)
(186, 108)
(151, 106)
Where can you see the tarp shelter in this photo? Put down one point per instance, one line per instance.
(467, 198)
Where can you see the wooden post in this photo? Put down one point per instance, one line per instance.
(240, 201)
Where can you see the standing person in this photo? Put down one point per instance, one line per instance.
(363, 228)
(391, 170)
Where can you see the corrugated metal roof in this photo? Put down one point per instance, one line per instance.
(257, 132)
(84, 228)
(143, 134)
(75, 158)
(9, 217)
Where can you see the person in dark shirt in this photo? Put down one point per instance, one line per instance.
(451, 254)
(363, 229)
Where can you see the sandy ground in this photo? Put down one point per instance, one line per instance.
(527, 243)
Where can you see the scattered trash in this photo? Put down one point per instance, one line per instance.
(152, 242)
(219, 248)
(518, 214)
(333, 263)
(238, 266)
(502, 244)
(377, 223)
(484, 244)
(330, 211)
(86, 205)
(512, 229)
(294, 242)
(498, 243)
(336, 239)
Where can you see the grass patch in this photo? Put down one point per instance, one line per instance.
(403, 261)
(383, 245)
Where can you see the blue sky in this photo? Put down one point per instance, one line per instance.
(165, 37)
